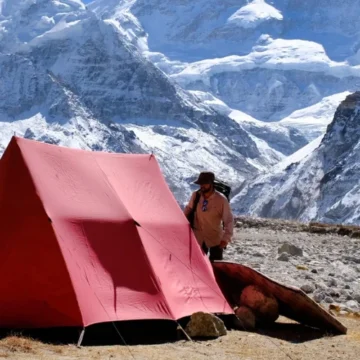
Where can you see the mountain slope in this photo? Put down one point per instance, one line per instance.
(80, 82)
(323, 185)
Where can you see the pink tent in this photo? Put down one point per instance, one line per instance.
(91, 237)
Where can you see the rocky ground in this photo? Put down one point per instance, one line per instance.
(325, 265)
(315, 258)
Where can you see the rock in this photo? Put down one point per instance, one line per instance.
(302, 267)
(353, 305)
(349, 297)
(246, 318)
(334, 293)
(357, 298)
(205, 325)
(314, 271)
(320, 286)
(332, 282)
(309, 277)
(284, 257)
(258, 254)
(347, 287)
(319, 297)
(264, 306)
(331, 274)
(308, 288)
(290, 249)
(328, 299)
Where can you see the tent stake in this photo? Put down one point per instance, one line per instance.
(81, 337)
(185, 333)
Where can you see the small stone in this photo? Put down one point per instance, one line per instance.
(349, 297)
(319, 297)
(328, 300)
(205, 325)
(314, 271)
(302, 267)
(259, 254)
(309, 277)
(308, 288)
(357, 298)
(343, 312)
(347, 287)
(332, 282)
(290, 249)
(331, 274)
(320, 286)
(353, 305)
(284, 257)
(334, 293)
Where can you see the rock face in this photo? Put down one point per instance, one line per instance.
(205, 325)
(265, 307)
(323, 186)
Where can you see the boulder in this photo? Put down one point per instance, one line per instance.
(246, 317)
(264, 306)
(205, 325)
(284, 257)
(290, 249)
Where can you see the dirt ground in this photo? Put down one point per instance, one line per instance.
(286, 340)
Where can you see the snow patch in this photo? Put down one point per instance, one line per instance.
(255, 13)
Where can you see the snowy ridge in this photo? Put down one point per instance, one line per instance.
(271, 53)
(313, 120)
(255, 13)
(323, 182)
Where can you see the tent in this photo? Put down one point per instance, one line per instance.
(91, 237)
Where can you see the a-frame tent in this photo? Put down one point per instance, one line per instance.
(90, 237)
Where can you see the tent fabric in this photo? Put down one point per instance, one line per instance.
(89, 237)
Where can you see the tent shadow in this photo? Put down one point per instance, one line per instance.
(292, 332)
(139, 332)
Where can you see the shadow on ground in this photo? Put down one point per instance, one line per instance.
(292, 332)
(153, 332)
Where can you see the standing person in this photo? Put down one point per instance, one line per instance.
(213, 220)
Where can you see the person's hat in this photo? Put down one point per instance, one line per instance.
(205, 178)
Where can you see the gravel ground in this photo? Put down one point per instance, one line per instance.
(327, 266)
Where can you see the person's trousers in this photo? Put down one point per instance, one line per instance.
(216, 252)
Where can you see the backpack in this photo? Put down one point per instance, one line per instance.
(222, 188)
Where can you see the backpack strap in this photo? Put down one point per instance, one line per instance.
(191, 216)
(196, 201)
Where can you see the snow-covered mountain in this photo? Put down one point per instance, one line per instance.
(267, 59)
(203, 29)
(322, 180)
(240, 87)
(78, 81)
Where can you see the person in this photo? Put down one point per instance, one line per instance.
(213, 221)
